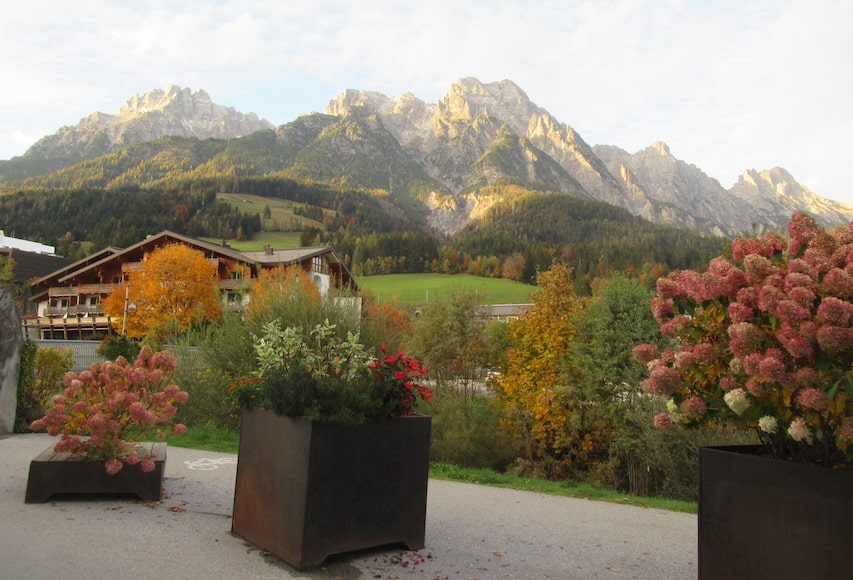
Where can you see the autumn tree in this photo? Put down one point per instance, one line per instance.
(534, 390)
(175, 288)
(386, 324)
(448, 335)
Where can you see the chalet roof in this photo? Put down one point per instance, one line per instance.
(164, 236)
(265, 257)
(75, 266)
(290, 255)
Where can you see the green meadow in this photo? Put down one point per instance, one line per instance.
(420, 289)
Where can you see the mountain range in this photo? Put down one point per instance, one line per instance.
(444, 162)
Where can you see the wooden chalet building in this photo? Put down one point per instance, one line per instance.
(68, 300)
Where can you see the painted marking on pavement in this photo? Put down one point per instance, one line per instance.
(206, 463)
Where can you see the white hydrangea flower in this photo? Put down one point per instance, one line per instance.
(737, 400)
(768, 424)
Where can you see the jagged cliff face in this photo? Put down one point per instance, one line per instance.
(478, 134)
(669, 190)
(775, 192)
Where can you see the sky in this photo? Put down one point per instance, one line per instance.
(728, 85)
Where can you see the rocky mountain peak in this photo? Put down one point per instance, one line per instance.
(350, 98)
(468, 99)
(661, 148)
(160, 99)
(174, 111)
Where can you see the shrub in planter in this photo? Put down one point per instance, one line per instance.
(323, 377)
(105, 409)
(331, 457)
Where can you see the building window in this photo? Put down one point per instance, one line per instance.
(92, 300)
(317, 264)
(233, 297)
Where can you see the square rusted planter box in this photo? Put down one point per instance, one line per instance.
(306, 490)
(63, 473)
(763, 518)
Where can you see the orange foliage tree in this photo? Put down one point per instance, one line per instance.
(535, 389)
(277, 290)
(175, 288)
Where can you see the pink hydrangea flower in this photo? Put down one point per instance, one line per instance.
(147, 465)
(644, 353)
(112, 466)
(694, 407)
(663, 421)
(663, 381)
(799, 431)
(812, 398)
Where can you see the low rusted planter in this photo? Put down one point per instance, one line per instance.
(63, 473)
(761, 517)
(306, 490)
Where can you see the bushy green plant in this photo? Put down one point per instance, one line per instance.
(116, 345)
(209, 403)
(27, 408)
(466, 430)
(49, 366)
(320, 376)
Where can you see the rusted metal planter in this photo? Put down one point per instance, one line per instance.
(63, 473)
(306, 490)
(761, 517)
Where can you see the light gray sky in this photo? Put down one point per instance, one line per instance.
(729, 85)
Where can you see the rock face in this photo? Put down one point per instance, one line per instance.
(11, 340)
(774, 191)
(479, 134)
(443, 163)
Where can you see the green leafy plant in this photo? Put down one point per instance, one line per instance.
(116, 345)
(324, 377)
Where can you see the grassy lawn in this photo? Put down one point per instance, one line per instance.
(224, 441)
(419, 289)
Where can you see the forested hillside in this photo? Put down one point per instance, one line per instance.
(521, 235)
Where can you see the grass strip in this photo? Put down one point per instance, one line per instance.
(224, 441)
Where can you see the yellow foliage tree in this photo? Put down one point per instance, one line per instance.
(175, 288)
(533, 389)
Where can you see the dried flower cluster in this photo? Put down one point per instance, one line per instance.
(764, 340)
(104, 409)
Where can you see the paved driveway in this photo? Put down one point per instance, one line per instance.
(473, 532)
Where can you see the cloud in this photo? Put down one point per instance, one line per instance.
(727, 84)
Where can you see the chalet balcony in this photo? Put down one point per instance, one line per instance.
(73, 311)
(80, 290)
